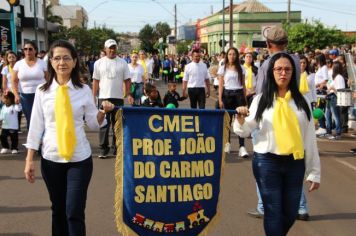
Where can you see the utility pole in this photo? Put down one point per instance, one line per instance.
(231, 40)
(35, 21)
(44, 7)
(175, 20)
(223, 36)
(288, 13)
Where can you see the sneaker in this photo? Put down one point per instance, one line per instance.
(104, 153)
(304, 217)
(353, 150)
(4, 150)
(336, 137)
(227, 148)
(14, 151)
(255, 213)
(320, 131)
(243, 153)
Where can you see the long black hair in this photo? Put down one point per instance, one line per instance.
(75, 74)
(270, 90)
(302, 57)
(237, 64)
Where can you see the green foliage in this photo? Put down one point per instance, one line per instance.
(314, 35)
(53, 18)
(182, 47)
(147, 37)
(162, 30)
(86, 41)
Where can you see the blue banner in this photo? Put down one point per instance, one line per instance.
(168, 170)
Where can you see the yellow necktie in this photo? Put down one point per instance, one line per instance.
(249, 83)
(286, 129)
(303, 84)
(66, 138)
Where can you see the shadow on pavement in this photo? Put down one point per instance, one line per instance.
(16, 234)
(4, 209)
(335, 216)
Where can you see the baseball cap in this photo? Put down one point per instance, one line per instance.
(109, 43)
(334, 52)
(277, 35)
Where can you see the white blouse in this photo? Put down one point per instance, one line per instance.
(264, 141)
(136, 73)
(231, 78)
(43, 123)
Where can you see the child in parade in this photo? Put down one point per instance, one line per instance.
(153, 98)
(10, 125)
(172, 96)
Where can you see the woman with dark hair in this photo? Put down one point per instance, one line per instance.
(307, 80)
(232, 90)
(27, 74)
(250, 77)
(321, 78)
(285, 146)
(57, 122)
(332, 110)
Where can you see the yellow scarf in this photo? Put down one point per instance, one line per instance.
(303, 84)
(249, 82)
(286, 129)
(65, 130)
(143, 64)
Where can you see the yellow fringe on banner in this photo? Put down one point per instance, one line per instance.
(226, 127)
(119, 176)
(119, 171)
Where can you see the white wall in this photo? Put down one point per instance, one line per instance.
(29, 8)
(29, 34)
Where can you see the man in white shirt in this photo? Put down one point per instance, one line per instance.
(196, 79)
(110, 72)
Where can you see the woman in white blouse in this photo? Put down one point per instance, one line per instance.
(321, 78)
(284, 146)
(332, 110)
(67, 177)
(27, 74)
(232, 90)
(137, 75)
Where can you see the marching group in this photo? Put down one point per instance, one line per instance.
(274, 98)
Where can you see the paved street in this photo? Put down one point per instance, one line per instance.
(25, 208)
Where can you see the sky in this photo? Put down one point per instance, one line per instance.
(132, 15)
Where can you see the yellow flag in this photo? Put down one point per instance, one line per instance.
(303, 84)
(249, 82)
(287, 129)
(66, 138)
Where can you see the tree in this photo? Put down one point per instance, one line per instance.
(314, 34)
(98, 36)
(162, 30)
(182, 47)
(148, 38)
(52, 17)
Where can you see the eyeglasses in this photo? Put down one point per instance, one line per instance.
(28, 49)
(287, 70)
(58, 59)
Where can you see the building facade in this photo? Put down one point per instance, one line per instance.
(250, 19)
(72, 15)
(29, 24)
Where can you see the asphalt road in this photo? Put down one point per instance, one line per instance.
(25, 208)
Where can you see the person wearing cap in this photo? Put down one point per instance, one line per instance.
(333, 54)
(110, 73)
(277, 40)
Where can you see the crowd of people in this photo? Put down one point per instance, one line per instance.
(267, 89)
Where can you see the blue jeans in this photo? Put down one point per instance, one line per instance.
(280, 180)
(303, 205)
(26, 100)
(137, 93)
(67, 185)
(333, 111)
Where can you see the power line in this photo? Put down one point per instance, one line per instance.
(325, 9)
